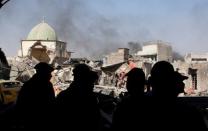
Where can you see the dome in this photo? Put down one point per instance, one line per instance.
(42, 31)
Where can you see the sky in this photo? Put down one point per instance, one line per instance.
(97, 27)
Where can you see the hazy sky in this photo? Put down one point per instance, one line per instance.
(93, 27)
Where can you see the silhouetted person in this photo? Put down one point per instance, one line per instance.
(162, 80)
(36, 99)
(78, 105)
(180, 85)
(166, 111)
(3, 58)
(130, 113)
(4, 66)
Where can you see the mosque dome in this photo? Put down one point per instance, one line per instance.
(42, 31)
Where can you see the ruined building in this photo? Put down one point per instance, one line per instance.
(121, 55)
(117, 64)
(196, 57)
(156, 51)
(42, 44)
(195, 67)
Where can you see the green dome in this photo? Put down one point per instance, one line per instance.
(42, 31)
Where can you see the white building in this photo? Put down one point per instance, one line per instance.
(156, 51)
(42, 44)
(196, 58)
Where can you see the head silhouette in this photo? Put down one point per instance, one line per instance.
(162, 79)
(135, 82)
(84, 78)
(93, 77)
(81, 72)
(43, 70)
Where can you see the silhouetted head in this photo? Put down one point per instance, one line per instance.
(44, 70)
(84, 78)
(93, 77)
(135, 81)
(162, 79)
(179, 82)
(81, 72)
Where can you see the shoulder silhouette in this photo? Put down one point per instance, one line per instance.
(36, 98)
(130, 113)
(78, 103)
(135, 82)
(166, 110)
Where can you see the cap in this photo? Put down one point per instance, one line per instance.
(43, 67)
(81, 69)
(180, 77)
(162, 69)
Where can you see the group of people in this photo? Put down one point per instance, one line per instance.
(77, 107)
(74, 108)
(159, 108)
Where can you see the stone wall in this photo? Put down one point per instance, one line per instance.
(116, 57)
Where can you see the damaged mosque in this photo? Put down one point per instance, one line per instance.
(43, 45)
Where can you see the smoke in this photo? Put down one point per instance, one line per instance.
(134, 47)
(88, 33)
(177, 56)
(94, 29)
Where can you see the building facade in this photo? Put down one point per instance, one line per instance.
(42, 43)
(196, 58)
(156, 51)
(121, 55)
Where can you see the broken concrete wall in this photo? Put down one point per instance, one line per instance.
(201, 78)
(50, 51)
(39, 52)
(156, 51)
(22, 68)
(114, 75)
(121, 55)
